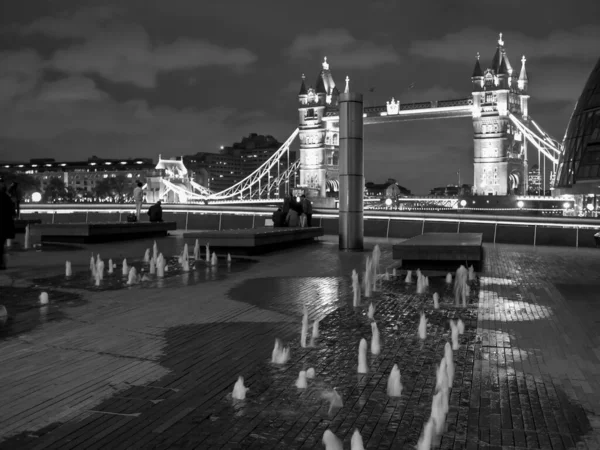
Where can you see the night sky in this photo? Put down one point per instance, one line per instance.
(143, 78)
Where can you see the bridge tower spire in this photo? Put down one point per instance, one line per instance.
(500, 156)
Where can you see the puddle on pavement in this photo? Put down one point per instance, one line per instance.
(25, 313)
(199, 272)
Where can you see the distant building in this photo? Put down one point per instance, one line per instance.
(219, 171)
(389, 189)
(452, 190)
(534, 180)
(83, 176)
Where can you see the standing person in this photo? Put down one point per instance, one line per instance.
(15, 195)
(307, 210)
(138, 197)
(7, 221)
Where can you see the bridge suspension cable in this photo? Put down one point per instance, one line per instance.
(254, 179)
(546, 145)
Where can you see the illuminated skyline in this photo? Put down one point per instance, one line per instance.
(178, 78)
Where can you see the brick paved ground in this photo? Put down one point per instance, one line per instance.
(153, 367)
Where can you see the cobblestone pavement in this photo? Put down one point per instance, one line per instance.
(153, 367)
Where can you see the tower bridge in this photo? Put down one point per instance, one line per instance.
(502, 130)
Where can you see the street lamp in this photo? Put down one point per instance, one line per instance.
(520, 203)
(36, 197)
(463, 203)
(388, 202)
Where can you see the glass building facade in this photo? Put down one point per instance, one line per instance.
(579, 165)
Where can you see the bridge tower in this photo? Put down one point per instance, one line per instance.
(314, 160)
(500, 150)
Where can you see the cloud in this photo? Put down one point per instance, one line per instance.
(430, 94)
(342, 50)
(562, 82)
(19, 73)
(581, 43)
(124, 52)
(72, 119)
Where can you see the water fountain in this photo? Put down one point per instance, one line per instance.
(310, 373)
(423, 327)
(304, 332)
(214, 261)
(461, 286)
(454, 332)
(420, 284)
(362, 356)
(228, 259)
(160, 266)
(449, 357)
(437, 413)
(280, 354)
(145, 278)
(93, 266)
(376, 258)
(185, 266)
(315, 333)
(152, 268)
(196, 250)
(147, 256)
(97, 259)
(355, 289)
(186, 253)
(68, 269)
(301, 382)
(111, 266)
(408, 279)
(125, 270)
(449, 278)
(426, 438)
(436, 301)
(394, 272)
(207, 253)
(132, 278)
(100, 269)
(426, 281)
(367, 281)
(357, 441)
(375, 340)
(239, 390)
(371, 311)
(155, 250)
(3, 313)
(472, 276)
(461, 326)
(386, 276)
(97, 278)
(335, 399)
(394, 384)
(44, 298)
(331, 441)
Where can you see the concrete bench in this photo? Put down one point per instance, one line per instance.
(440, 250)
(99, 232)
(254, 241)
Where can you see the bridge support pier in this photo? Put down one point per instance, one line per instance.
(351, 167)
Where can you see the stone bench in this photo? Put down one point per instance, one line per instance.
(99, 232)
(253, 241)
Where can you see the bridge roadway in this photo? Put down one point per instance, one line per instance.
(443, 109)
(561, 231)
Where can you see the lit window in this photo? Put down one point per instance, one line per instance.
(129, 175)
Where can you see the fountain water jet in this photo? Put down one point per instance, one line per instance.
(228, 259)
(280, 354)
(357, 441)
(301, 382)
(207, 253)
(335, 399)
(310, 373)
(426, 438)
(186, 252)
(423, 327)
(304, 332)
(449, 278)
(239, 390)
(111, 266)
(147, 256)
(362, 356)
(460, 286)
(454, 333)
(160, 266)
(68, 269)
(100, 269)
(315, 333)
(155, 250)
(367, 281)
(436, 301)
(125, 270)
(472, 276)
(355, 289)
(437, 412)
(426, 281)
(185, 266)
(421, 284)
(375, 340)
(408, 279)
(214, 261)
(371, 311)
(449, 357)
(461, 326)
(97, 278)
(394, 384)
(196, 250)
(152, 269)
(331, 441)
(44, 298)
(394, 272)
(93, 266)
(133, 278)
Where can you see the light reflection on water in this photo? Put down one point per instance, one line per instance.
(488, 281)
(511, 310)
